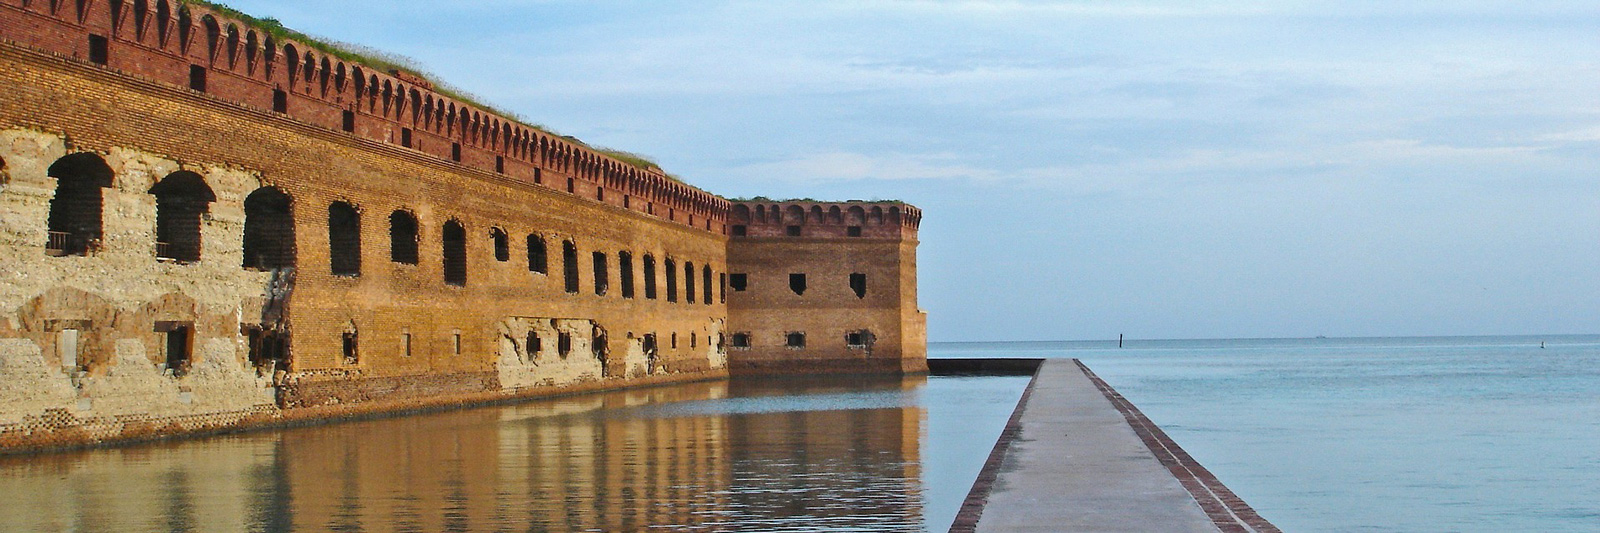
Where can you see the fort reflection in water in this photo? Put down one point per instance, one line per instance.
(796, 455)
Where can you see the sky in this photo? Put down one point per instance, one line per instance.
(1155, 169)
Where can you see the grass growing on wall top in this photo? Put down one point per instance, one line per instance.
(389, 62)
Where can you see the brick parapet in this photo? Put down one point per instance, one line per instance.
(824, 220)
(248, 66)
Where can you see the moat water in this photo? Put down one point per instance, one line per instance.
(771, 455)
(1488, 434)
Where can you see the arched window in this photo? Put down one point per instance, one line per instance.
(268, 230)
(672, 280)
(569, 264)
(181, 198)
(649, 277)
(344, 239)
(688, 282)
(163, 21)
(291, 58)
(455, 254)
(213, 34)
(502, 244)
(856, 216)
(74, 223)
(185, 22)
(233, 45)
(538, 259)
(251, 46)
(403, 242)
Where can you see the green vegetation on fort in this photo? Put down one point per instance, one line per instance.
(390, 62)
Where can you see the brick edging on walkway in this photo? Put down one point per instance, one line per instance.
(978, 497)
(1230, 513)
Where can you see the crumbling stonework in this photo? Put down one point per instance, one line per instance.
(199, 238)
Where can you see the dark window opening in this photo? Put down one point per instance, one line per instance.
(740, 340)
(853, 231)
(739, 282)
(739, 230)
(405, 344)
(74, 225)
(625, 273)
(538, 260)
(344, 239)
(600, 274)
(179, 341)
(705, 284)
(351, 354)
(792, 231)
(181, 199)
(455, 254)
(197, 78)
(722, 287)
(688, 282)
(405, 137)
(795, 340)
(649, 277)
(857, 339)
(266, 349)
(455, 152)
(572, 186)
(502, 244)
(694, 340)
(280, 102)
(455, 343)
(268, 230)
(403, 243)
(672, 280)
(797, 283)
(648, 346)
(533, 346)
(538, 175)
(858, 283)
(600, 193)
(564, 344)
(674, 340)
(500, 164)
(99, 50)
(569, 265)
(349, 121)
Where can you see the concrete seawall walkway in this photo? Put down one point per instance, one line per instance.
(1076, 456)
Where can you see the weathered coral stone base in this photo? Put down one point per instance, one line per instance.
(59, 429)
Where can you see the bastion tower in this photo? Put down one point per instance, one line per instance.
(824, 288)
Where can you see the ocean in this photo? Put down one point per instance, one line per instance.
(1372, 434)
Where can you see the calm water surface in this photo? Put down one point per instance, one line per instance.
(782, 455)
(1485, 434)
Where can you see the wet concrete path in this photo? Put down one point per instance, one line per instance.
(1076, 456)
